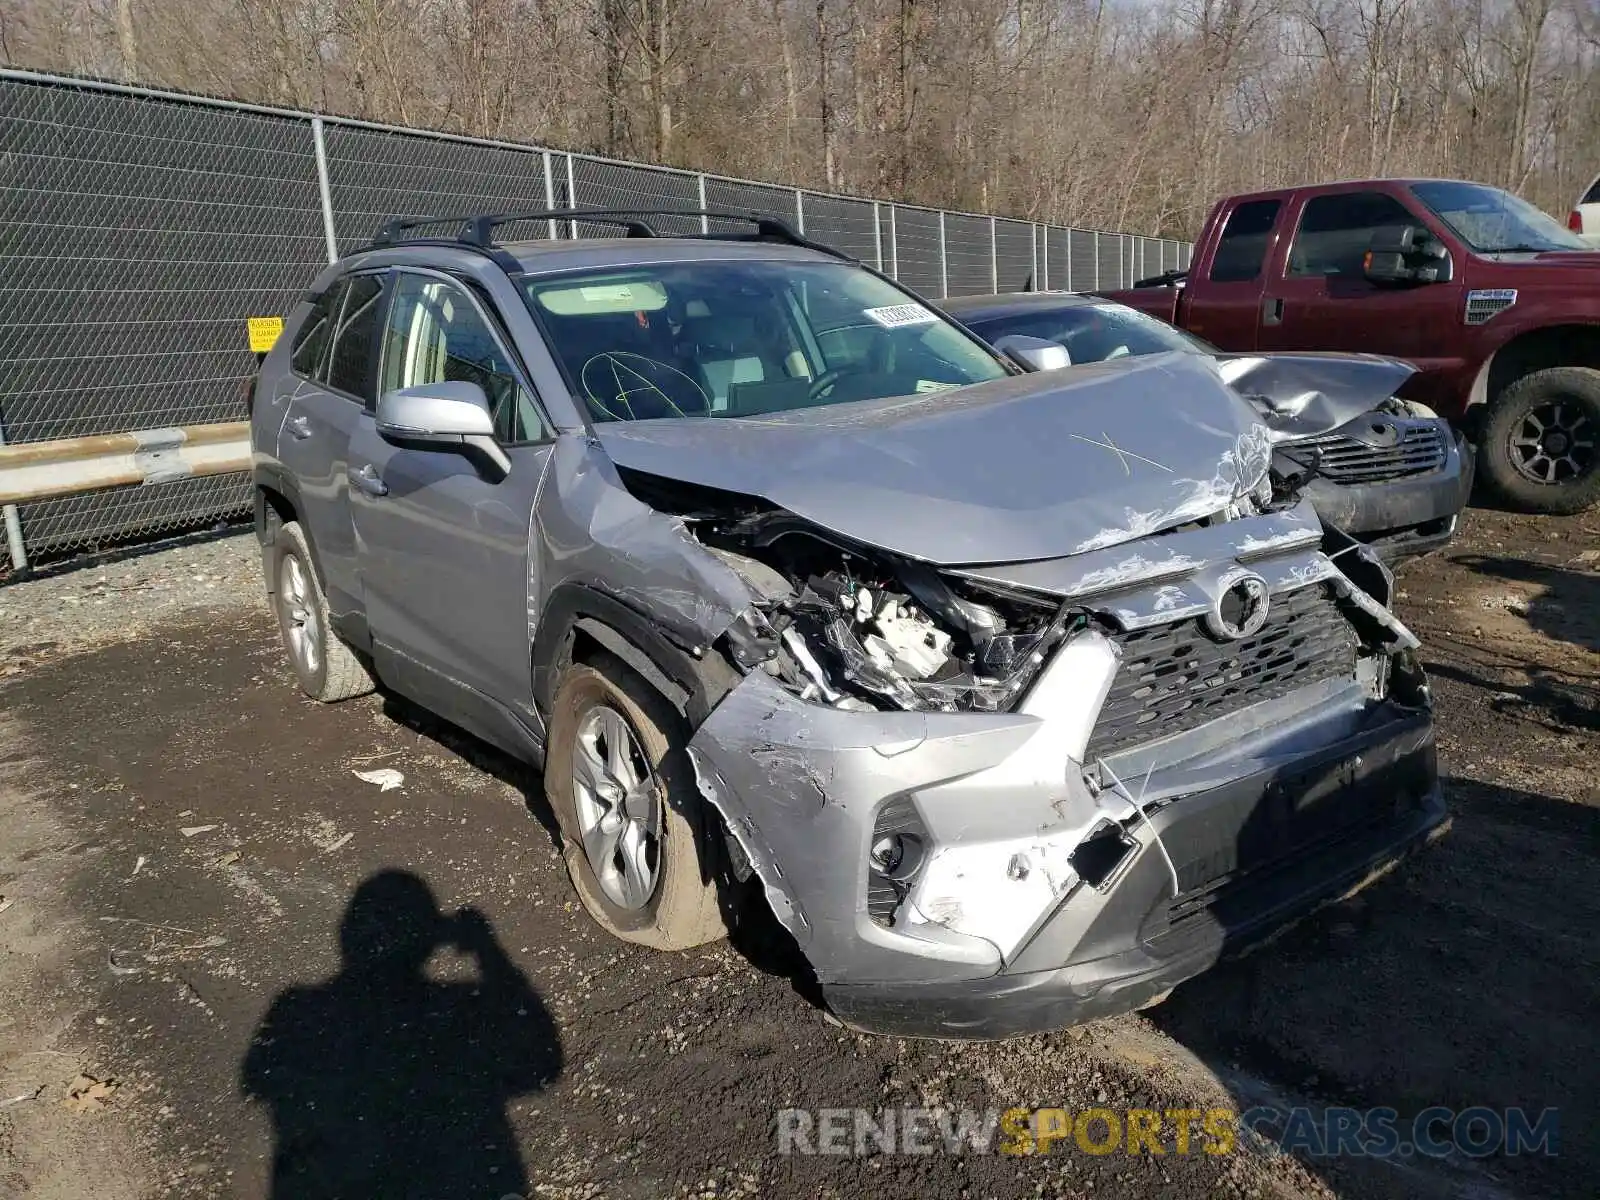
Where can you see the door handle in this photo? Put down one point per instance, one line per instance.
(369, 481)
(1272, 311)
(299, 428)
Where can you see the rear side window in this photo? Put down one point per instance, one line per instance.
(1242, 249)
(350, 369)
(1336, 231)
(310, 349)
(1592, 196)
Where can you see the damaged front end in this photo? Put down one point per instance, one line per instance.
(988, 798)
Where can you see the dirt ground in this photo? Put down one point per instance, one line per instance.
(191, 877)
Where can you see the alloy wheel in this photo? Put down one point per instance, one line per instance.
(618, 808)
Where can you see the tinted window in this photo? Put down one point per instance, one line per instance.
(437, 335)
(350, 369)
(1336, 231)
(740, 338)
(1592, 196)
(309, 355)
(1092, 332)
(1243, 247)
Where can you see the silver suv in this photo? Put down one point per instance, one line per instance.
(1019, 697)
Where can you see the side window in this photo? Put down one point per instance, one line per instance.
(1336, 231)
(1592, 196)
(350, 369)
(310, 351)
(1242, 249)
(436, 335)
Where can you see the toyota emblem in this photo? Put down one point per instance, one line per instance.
(1240, 609)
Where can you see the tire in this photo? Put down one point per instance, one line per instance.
(1515, 416)
(679, 909)
(325, 667)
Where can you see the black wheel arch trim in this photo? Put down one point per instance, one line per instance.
(694, 685)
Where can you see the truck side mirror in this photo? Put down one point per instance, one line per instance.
(1402, 254)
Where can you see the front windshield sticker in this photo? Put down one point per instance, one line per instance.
(896, 315)
(934, 385)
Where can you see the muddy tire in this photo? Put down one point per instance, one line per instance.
(622, 789)
(325, 667)
(1540, 443)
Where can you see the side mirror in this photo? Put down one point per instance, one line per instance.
(1403, 254)
(450, 416)
(1033, 354)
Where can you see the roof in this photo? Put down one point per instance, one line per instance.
(545, 257)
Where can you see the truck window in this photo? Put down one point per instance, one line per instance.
(1336, 231)
(1242, 249)
(1592, 196)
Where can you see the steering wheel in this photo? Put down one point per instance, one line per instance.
(825, 383)
(614, 381)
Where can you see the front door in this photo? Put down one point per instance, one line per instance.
(442, 544)
(1318, 296)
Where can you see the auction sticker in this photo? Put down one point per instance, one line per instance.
(896, 315)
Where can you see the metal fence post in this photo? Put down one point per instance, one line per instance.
(572, 197)
(1034, 277)
(877, 236)
(705, 224)
(1069, 258)
(1096, 260)
(324, 189)
(800, 211)
(549, 193)
(944, 261)
(994, 261)
(13, 523)
(894, 246)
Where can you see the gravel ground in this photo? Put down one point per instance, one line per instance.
(184, 846)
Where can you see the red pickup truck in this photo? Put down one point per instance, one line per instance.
(1494, 302)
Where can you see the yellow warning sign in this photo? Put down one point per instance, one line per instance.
(264, 333)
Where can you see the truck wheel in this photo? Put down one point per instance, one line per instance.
(327, 669)
(622, 789)
(1540, 446)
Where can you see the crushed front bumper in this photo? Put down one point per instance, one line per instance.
(1005, 929)
(1404, 516)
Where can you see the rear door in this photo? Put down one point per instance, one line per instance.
(333, 358)
(1319, 298)
(443, 546)
(1224, 307)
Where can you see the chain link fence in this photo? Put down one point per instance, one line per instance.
(141, 229)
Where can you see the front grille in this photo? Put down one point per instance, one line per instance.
(1176, 677)
(1345, 460)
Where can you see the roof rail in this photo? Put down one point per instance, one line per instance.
(477, 230)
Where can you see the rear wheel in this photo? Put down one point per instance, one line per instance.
(326, 668)
(622, 789)
(1540, 446)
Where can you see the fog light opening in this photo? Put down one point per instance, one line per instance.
(1098, 856)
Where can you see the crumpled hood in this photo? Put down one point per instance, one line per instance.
(1028, 467)
(1301, 395)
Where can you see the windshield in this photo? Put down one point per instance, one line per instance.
(1495, 222)
(1092, 332)
(739, 338)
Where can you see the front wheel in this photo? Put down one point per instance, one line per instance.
(622, 789)
(1540, 445)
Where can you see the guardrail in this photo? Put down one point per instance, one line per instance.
(68, 466)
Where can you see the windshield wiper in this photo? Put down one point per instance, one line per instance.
(1527, 249)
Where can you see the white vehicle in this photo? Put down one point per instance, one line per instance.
(1585, 218)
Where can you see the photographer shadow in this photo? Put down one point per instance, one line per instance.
(386, 1081)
